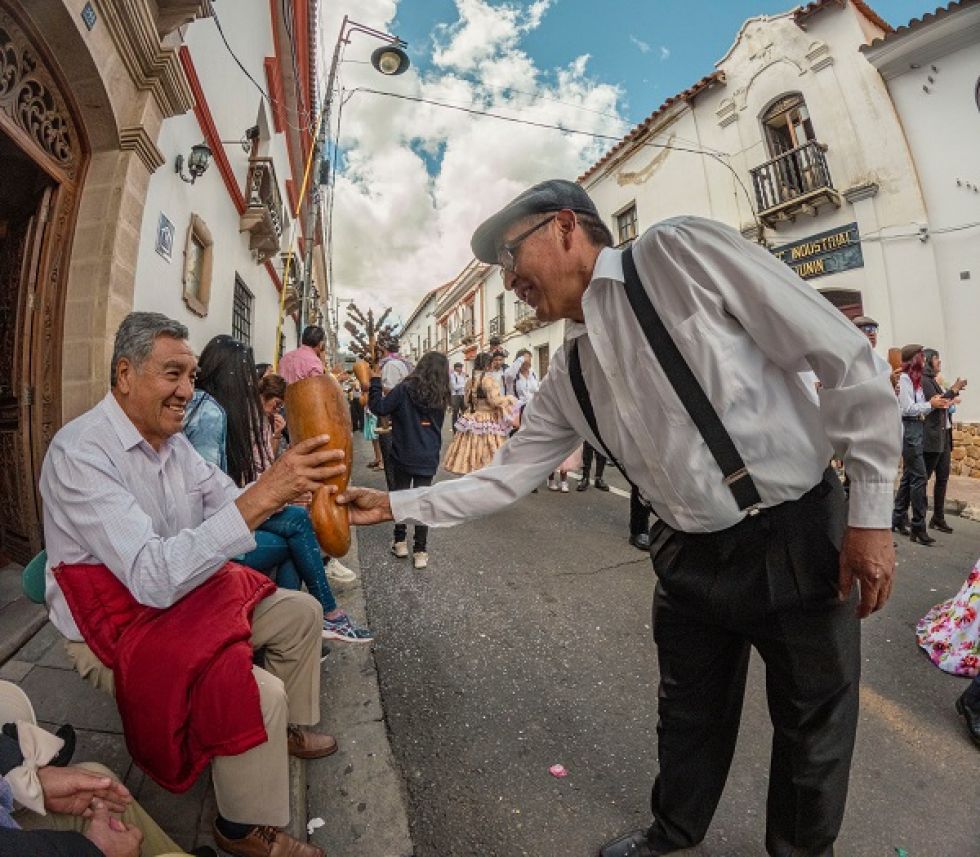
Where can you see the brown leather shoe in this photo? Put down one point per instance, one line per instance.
(304, 744)
(266, 842)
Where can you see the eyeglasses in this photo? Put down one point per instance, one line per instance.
(868, 328)
(507, 254)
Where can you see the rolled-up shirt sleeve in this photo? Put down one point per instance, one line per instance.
(544, 440)
(797, 329)
(90, 502)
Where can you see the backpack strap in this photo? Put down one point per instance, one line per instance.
(585, 403)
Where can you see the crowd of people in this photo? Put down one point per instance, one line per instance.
(177, 527)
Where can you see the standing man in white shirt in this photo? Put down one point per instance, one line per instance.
(719, 435)
(457, 386)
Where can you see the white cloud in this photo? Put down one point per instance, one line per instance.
(643, 46)
(399, 231)
(664, 53)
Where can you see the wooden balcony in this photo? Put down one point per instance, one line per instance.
(794, 183)
(262, 217)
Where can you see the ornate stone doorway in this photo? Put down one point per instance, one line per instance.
(42, 160)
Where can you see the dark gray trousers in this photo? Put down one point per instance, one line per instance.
(769, 582)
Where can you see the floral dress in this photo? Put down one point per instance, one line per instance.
(950, 632)
(482, 429)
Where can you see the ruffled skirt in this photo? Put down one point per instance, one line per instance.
(477, 439)
(950, 632)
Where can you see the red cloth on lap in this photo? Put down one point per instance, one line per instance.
(184, 683)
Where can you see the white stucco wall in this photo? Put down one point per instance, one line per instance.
(235, 105)
(851, 114)
(942, 127)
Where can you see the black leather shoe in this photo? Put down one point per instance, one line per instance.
(601, 484)
(632, 844)
(902, 529)
(942, 526)
(972, 718)
(583, 484)
(921, 537)
(641, 541)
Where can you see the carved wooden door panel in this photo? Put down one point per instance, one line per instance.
(20, 262)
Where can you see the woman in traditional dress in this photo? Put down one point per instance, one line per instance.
(485, 424)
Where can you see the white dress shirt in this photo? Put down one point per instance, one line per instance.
(457, 383)
(394, 370)
(747, 325)
(912, 401)
(525, 386)
(162, 522)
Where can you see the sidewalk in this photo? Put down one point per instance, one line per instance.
(357, 792)
(962, 497)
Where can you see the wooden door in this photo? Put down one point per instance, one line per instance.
(21, 255)
(43, 156)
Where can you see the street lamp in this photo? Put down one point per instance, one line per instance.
(390, 59)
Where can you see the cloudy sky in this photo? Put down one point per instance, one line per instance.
(415, 179)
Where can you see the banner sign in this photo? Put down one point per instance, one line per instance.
(827, 253)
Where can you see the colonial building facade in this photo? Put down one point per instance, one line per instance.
(86, 87)
(932, 70)
(847, 148)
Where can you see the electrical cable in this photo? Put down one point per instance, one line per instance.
(595, 135)
(245, 71)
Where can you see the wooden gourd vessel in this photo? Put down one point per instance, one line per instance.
(362, 371)
(316, 406)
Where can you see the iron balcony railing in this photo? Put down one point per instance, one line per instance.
(794, 174)
(495, 327)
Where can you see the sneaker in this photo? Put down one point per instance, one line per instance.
(339, 572)
(345, 631)
(552, 485)
(420, 559)
(564, 487)
(400, 549)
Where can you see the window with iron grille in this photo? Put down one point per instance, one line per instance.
(626, 225)
(241, 312)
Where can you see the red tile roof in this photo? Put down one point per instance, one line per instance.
(640, 130)
(926, 19)
(819, 5)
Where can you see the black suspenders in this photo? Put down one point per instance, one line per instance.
(685, 384)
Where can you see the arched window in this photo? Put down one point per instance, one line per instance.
(787, 124)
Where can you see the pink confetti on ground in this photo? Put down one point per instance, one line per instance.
(558, 771)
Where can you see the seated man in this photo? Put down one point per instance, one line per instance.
(123, 488)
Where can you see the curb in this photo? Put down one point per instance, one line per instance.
(358, 792)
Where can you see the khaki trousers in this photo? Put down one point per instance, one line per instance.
(253, 787)
(155, 843)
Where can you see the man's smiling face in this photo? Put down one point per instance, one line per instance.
(154, 395)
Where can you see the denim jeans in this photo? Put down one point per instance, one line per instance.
(287, 540)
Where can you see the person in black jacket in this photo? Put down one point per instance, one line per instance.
(418, 406)
(937, 440)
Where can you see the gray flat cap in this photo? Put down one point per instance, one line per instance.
(864, 319)
(548, 196)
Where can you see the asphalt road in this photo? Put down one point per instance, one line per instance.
(527, 643)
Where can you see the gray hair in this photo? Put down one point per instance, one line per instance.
(136, 335)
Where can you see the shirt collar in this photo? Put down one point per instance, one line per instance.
(608, 266)
(129, 436)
